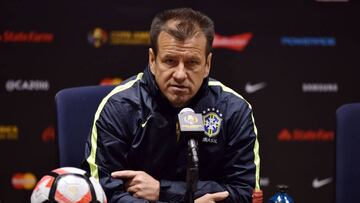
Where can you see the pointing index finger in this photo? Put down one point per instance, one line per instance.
(124, 174)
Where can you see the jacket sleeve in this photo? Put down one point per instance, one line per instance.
(241, 164)
(242, 161)
(106, 150)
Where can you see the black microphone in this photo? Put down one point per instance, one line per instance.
(191, 126)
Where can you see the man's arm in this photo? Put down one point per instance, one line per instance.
(106, 151)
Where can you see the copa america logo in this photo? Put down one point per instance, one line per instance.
(190, 119)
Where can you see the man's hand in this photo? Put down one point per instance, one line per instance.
(212, 198)
(139, 184)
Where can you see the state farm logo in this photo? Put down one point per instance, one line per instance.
(23, 181)
(10, 36)
(9, 132)
(320, 135)
(98, 37)
(233, 42)
(320, 87)
(48, 134)
(111, 81)
(26, 85)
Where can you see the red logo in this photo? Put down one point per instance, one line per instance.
(320, 135)
(234, 42)
(10, 36)
(23, 181)
(48, 134)
(111, 81)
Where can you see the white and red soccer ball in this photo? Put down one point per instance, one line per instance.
(68, 185)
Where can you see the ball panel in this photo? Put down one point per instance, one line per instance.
(65, 170)
(42, 189)
(72, 187)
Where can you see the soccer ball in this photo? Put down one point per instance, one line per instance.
(68, 185)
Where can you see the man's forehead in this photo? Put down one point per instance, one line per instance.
(168, 43)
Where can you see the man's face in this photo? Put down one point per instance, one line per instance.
(180, 67)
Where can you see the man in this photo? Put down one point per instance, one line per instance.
(135, 149)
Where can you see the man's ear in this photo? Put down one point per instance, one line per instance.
(208, 65)
(152, 58)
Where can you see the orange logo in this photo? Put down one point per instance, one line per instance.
(234, 42)
(111, 81)
(9, 132)
(23, 181)
(320, 135)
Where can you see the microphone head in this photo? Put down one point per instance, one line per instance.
(190, 122)
(187, 109)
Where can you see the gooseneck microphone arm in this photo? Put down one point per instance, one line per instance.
(192, 171)
(191, 126)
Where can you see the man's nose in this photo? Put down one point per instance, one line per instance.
(180, 73)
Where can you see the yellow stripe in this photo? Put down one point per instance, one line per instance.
(256, 145)
(91, 159)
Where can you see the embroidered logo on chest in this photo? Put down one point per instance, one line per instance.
(212, 121)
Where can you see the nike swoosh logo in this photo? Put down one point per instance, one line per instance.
(144, 124)
(251, 88)
(320, 183)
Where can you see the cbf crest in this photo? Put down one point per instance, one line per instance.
(212, 122)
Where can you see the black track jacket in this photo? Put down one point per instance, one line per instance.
(135, 129)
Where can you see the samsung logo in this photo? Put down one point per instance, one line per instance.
(320, 87)
(27, 85)
(308, 41)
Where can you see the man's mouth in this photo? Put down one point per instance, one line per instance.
(179, 88)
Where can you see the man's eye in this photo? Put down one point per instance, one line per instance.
(170, 61)
(193, 62)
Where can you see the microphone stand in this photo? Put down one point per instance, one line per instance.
(192, 171)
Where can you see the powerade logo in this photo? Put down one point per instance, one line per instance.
(27, 85)
(308, 41)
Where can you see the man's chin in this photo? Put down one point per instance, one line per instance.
(178, 103)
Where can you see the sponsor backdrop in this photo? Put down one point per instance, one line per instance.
(294, 62)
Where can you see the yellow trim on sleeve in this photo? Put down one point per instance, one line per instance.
(256, 145)
(92, 158)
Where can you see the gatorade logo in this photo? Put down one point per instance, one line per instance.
(23, 181)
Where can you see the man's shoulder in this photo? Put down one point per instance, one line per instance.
(223, 90)
(128, 90)
(228, 95)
